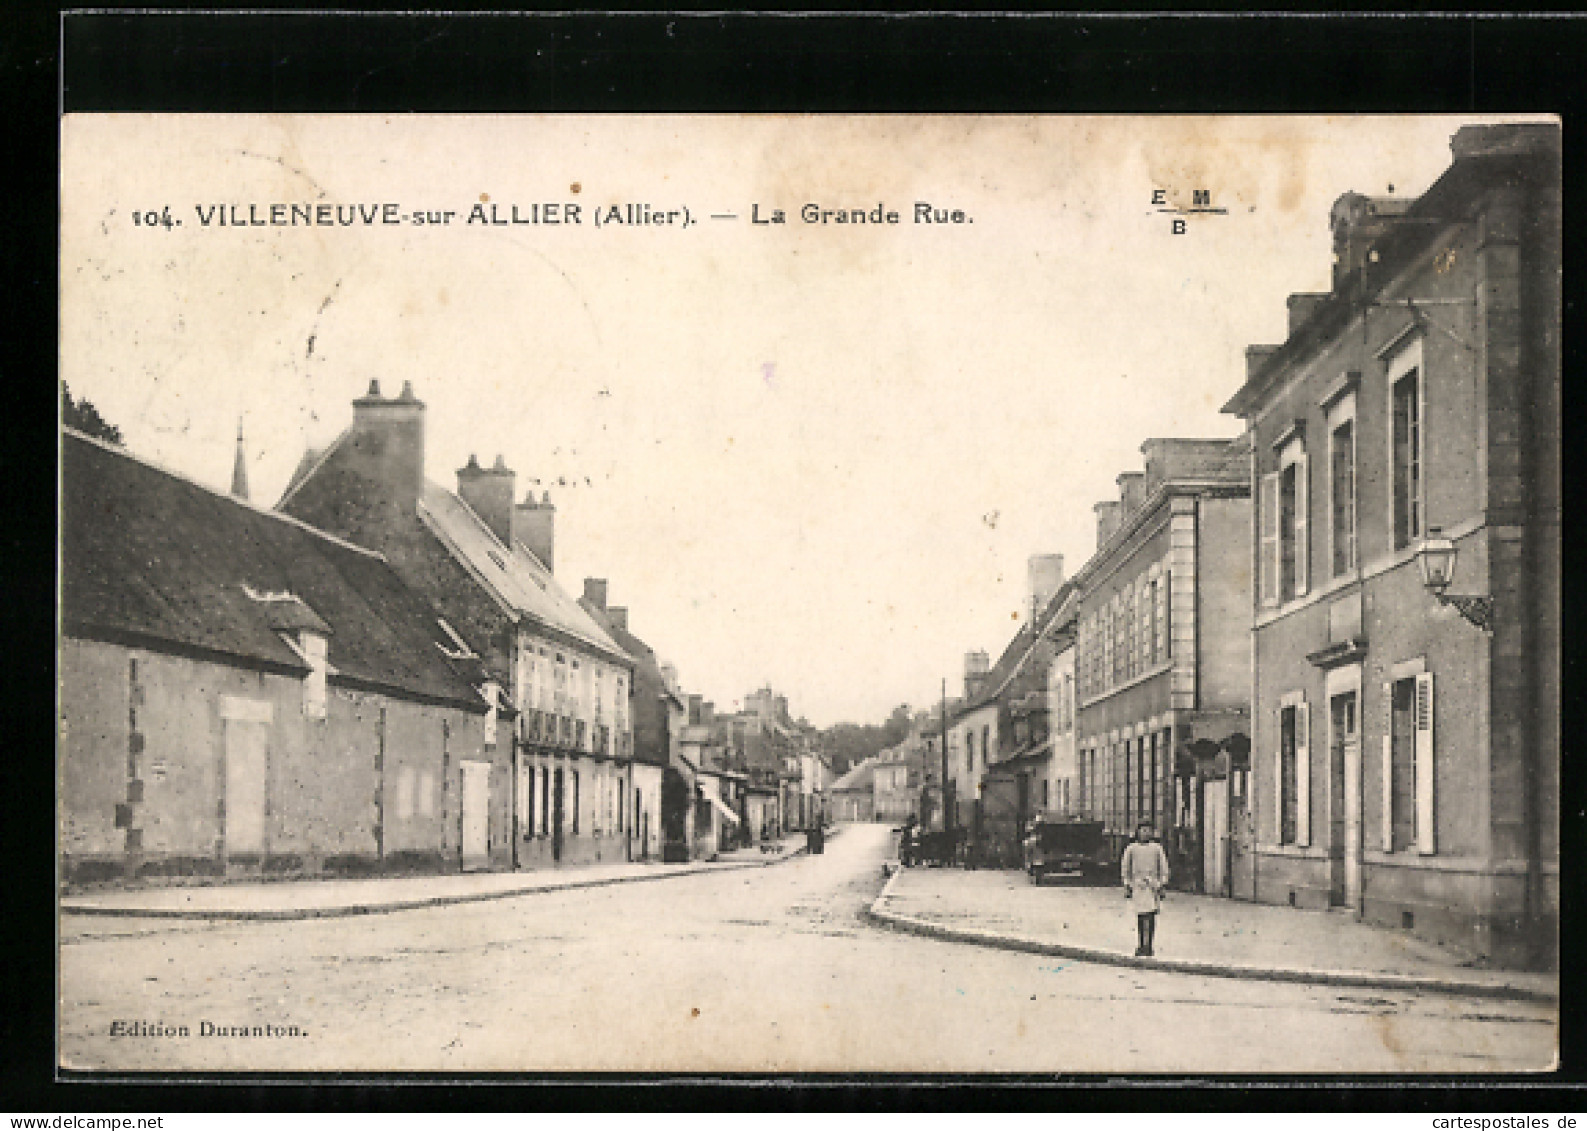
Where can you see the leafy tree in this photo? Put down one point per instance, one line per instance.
(852, 743)
(83, 416)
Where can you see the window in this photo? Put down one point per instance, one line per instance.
(545, 801)
(1129, 635)
(528, 801)
(1145, 603)
(969, 752)
(986, 745)
(1285, 546)
(313, 647)
(1342, 487)
(1162, 613)
(575, 801)
(1405, 463)
(1408, 768)
(1293, 779)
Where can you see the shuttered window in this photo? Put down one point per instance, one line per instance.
(1293, 779)
(1269, 519)
(1425, 769)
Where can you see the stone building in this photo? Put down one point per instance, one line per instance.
(242, 695)
(1162, 655)
(654, 704)
(1405, 758)
(485, 561)
(999, 745)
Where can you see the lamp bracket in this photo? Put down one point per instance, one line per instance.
(1477, 610)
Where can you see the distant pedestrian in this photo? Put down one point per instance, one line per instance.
(1145, 873)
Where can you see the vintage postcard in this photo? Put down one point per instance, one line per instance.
(782, 594)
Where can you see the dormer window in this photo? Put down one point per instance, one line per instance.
(314, 650)
(460, 649)
(491, 693)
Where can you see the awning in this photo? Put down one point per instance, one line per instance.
(724, 810)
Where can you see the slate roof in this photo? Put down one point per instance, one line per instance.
(1009, 664)
(516, 576)
(151, 558)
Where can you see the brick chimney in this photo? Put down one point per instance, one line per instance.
(696, 708)
(387, 444)
(618, 615)
(1255, 358)
(1108, 519)
(976, 667)
(595, 592)
(1045, 573)
(1302, 307)
(489, 493)
(534, 524)
(1132, 493)
(1358, 222)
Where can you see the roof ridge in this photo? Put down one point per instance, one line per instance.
(319, 462)
(249, 504)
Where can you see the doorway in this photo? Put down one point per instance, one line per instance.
(1344, 799)
(1215, 836)
(556, 815)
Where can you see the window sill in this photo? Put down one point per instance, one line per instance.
(1293, 851)
(1149, 673)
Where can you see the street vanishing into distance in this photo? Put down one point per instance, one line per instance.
(757, 970)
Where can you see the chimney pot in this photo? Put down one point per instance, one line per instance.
(1107, 520)
(388, 446)
(535, 527)
(1255, 358)
(489, 494)
(595, 592)
(407, 392)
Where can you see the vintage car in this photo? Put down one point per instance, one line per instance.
(1066, 846)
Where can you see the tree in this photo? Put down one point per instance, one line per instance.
(83, 416)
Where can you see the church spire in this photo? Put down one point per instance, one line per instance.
(239, 468)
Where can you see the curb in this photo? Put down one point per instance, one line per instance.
(909, 924)
(346, 911)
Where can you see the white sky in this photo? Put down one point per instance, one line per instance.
(816, 456)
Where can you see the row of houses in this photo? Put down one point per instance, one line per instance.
(379, 673)
(1322, 658)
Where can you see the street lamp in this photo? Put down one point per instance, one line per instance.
(1436, 557)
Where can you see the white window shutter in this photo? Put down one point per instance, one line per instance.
(1424, 764)
(1388, 767)
(1270, 546)
(1302, 543)
(1302, 774)
(1278, 782)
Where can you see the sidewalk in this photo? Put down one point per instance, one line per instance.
(1195, 934)
(323, 899)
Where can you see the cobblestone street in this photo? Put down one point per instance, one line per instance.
(763, 969)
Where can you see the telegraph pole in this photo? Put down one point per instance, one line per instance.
(947, 813)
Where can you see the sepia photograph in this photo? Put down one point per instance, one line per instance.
(787, 594)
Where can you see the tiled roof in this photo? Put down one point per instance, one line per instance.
(148, 556)
(516, 576)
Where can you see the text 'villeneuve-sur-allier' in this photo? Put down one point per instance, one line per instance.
(486, 213)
